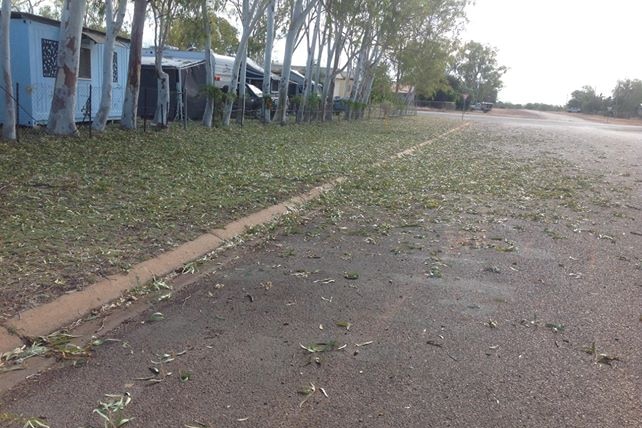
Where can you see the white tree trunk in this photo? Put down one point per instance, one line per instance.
(297, 19)
(209, 67)
(249, 18)
(234, 83)
(114, 24)
(63, 104)
(334, 54)
(322, 42)
(130, 104)
(9, 124)
(240, 117)
(163, 92)
(267, 62)
(307, 83)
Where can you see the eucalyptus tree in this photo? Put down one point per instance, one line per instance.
(8, 106)
(627, 97)
(311, 50)
(249, 12)
(209, 66)
(114, 22)
(132, 89)
(426, 32)
(164, 12)
(29, 6)
(299, 10)
(344, 26)
(63, 104)
(377, 23)
(266, 112)
(477, 68)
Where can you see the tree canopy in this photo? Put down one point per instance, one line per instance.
(627, 97)
(187, 32)
(476, 67)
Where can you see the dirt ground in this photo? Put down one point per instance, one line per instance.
(494, 279)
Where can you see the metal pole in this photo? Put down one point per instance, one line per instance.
(90, 100)
(144, 110)
(17, 98)
(184, 109)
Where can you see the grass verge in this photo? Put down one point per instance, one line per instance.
(75, 210)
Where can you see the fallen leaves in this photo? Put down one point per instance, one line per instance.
(600, 357)
(351, 275)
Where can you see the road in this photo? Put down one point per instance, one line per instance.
(504, 295)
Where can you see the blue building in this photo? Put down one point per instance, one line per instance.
(34, 48)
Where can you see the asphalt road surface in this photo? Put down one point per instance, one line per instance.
(442, 326)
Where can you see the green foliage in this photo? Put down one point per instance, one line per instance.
(587, 100)
(420, 36)
(188, 32)
(627, 98)
(112, 409)
(382, 85)
(296, 101)
(539, 107)
(314, 101)
(475, 65)
(424, 64)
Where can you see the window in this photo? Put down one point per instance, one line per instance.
(49, 50)
(115, 67)
(84, 72)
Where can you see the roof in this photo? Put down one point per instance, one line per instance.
(253, 70)
(172, 62)
(95, 35)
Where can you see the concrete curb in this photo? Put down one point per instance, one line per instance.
(69, 308)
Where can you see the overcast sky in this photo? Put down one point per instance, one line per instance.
(553, 47)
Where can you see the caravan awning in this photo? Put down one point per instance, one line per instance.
(178, 63)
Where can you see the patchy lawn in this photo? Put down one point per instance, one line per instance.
(75, 210)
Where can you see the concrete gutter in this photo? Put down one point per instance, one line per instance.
(69, 308)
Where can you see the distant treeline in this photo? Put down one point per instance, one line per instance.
(529, 106)
(625, 100)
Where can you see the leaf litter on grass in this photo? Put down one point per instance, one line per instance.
(127, 196)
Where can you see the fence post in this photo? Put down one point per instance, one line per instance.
(17, 99)
(144, 110)
(184, 94)
(90, 101)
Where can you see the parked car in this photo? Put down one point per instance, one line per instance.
(484, 107)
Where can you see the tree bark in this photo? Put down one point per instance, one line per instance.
(267, 63)
(240, 117)
(130, 104)
(9, 105)
(307, 83)
(162, 90)
(297, 19)
(114, 24)
(249, 18)
(234, 82)
(63, 104)
(209, 67)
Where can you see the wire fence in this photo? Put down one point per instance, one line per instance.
(184, 107)
(436, 105)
